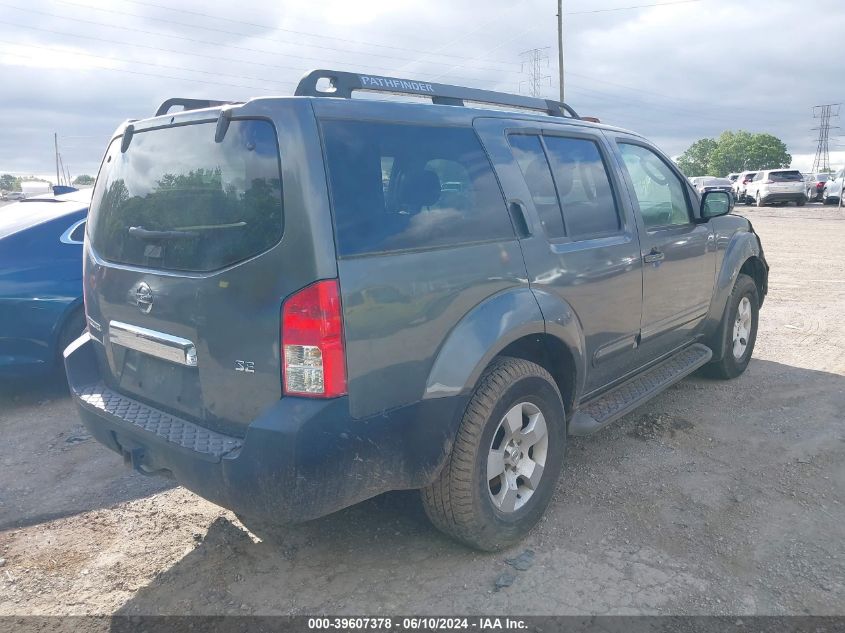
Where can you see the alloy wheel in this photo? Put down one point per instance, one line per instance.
(742, 328)
(517, 457)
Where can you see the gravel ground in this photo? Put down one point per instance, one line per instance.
(715, 498)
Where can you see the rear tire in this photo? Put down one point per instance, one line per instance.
(736, 354)
(501, 421)
(800, 203)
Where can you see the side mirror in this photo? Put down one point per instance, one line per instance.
(715, 204)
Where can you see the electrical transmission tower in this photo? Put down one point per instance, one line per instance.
(824, 113)
(535, 62)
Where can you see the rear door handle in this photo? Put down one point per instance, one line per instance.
(520, 221)
(655, 255)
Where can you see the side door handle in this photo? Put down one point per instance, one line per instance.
(520, 221)
(656, 255)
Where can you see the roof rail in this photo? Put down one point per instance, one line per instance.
(343, 84)
(188, 104)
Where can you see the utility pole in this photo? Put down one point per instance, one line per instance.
(56, 147)
(536, 60)
(824, 113)
(560, 46)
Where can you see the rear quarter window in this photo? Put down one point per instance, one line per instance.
(177, 200)
(399, 186)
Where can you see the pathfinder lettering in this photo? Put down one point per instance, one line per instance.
(387, 82)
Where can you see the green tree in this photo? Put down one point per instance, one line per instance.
(695, 161)
(742, 151)
(9, 183)
(734, 152)
(83, 180)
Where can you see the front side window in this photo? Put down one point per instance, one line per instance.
(583, 186)
(399, 186)
(659, 191)
(177, 200)
(531, 158)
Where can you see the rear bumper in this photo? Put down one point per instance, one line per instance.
(784, 197)
(299, 460)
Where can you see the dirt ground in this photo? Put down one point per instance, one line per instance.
(715, 498)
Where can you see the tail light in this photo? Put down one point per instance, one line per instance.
(819, 185)
(313, 354)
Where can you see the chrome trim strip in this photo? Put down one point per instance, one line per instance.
(171, 348)
(65, 238)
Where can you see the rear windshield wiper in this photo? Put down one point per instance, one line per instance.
(145, 234)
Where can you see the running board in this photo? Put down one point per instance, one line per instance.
(598, 413)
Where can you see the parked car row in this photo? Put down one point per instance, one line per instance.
(783, 186)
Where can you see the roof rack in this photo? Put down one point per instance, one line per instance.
(343, 84)
(188, 104)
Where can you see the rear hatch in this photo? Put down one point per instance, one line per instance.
(187, 268)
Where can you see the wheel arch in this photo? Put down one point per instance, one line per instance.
(72, 309)
(743, 255)
(522, 323)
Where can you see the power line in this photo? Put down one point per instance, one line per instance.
(345, 51)
(535, 60)
(824, 113)
(328, 37)
(298, 69)
(463, 36)
(157, 76)
(131, 61)
(632, 7)
(227, 45)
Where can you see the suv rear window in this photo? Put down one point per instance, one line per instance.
(785, 176)
(398, 186)
(176, 200)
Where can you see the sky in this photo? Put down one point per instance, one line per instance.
(675, 72)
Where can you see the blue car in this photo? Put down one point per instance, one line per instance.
(41, 308)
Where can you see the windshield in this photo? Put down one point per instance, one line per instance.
(178, 200)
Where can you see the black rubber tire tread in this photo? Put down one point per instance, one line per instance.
(450, 502)
(727, 366)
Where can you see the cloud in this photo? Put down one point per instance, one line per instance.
(673, 73)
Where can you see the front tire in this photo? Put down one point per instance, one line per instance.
(759, 200)
(506, 460)
(738, 330)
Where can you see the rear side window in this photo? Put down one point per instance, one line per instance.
(176, 200)
(785, 176)
(531, 158)
(583, 185)
(396, 187)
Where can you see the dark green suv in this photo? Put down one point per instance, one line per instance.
(298, 303)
